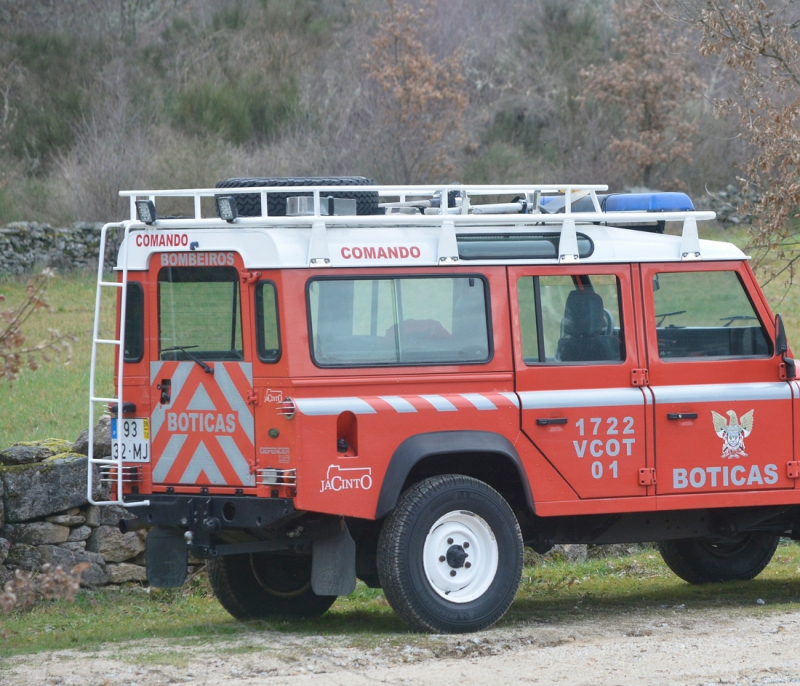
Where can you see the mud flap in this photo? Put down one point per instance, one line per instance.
(333, 562)
(166, 558)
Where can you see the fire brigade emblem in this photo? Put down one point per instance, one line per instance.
(733, 432)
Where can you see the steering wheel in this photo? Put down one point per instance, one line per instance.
(608, 322)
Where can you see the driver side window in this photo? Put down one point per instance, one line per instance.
(706, 314)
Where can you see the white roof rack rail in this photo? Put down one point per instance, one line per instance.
(467, 208)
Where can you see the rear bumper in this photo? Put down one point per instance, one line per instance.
(212, 513)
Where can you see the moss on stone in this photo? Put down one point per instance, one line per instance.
(54, 445)
(66, 455)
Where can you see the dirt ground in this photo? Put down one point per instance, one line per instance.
(663, 646)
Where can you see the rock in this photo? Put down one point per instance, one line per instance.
(5, 576)
(92, 515)
(66, 520)
(74, 546)
(37, 533)
(102, 439)
(113, 545)
(39, 490)
(23, 454)
(111, 514)
(5, 546)
(72, 511)
(80, 533)
(2, 508)
(58, 556)
(25, 557)
(96, 574)
(35, 451)
(124, 572)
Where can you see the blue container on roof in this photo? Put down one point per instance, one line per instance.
(647, 202)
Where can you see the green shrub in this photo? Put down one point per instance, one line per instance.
(51, 93)
(239, 111)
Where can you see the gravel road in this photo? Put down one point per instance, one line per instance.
(675, 645)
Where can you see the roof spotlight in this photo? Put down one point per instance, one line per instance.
(226, 207)
(146, 211)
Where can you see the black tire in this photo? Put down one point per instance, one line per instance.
(264, 585)
(249, 204)
(700, 561)
(433, 512)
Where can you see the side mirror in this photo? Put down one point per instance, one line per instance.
(782, 347)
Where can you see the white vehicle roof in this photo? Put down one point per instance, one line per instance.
(415, 232)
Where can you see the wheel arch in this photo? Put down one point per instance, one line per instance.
(456, 452)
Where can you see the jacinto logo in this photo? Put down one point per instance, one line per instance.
(347, 479)
(273, 396)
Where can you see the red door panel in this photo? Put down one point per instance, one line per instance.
(723, 418)
(204, 435)
(586, 418)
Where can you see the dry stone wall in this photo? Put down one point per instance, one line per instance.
(45, 516)
(27, 246)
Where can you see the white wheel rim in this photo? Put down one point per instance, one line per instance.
(460, 556)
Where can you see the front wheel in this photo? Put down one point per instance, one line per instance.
(264, 585)
(703, 560)
(450, 555)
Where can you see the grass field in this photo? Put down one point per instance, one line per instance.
(53, 402)
(551, 592)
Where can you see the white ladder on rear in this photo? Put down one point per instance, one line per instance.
(121, 287)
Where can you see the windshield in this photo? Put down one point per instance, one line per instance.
(199, 313)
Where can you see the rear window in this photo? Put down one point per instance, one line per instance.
(267, 332)
(399, 321)
(134, 322)
(199, 313)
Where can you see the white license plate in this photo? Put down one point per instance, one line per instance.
(134, 440)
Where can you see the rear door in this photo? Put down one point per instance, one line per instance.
(575, 355)
(723, 417)
(201, 377)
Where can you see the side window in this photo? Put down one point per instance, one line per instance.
(399, 321)
(567, 319)
(268, 339)
(134, 322)
(706, 314)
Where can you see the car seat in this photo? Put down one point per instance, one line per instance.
(583, 336)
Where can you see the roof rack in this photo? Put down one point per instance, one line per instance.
(423, 205)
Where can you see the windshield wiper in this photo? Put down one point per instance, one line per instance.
(183, 349)
(668, 314)
(735, 318)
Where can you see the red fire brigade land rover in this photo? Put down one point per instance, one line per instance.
(320, 380)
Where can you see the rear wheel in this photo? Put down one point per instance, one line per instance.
(249, 204)
(450, 555)
(263, 585)
(700, 561)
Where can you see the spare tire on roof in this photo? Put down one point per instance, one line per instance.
(249, 204)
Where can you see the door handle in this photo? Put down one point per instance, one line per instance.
(544, 421)
(681, 415)
(165, 387)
